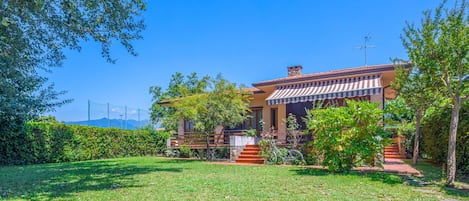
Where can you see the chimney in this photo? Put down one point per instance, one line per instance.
(294, 70)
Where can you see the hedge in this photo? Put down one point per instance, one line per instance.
(435, 132)
(45, 142)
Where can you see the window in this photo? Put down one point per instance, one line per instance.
(188, 125)
(273, 118)
(254, 122)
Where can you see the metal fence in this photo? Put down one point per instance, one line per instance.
(107, 115)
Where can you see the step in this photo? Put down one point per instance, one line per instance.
(395, 157)
(394, 145)
(250, 152)
(251, 149)
(392, 155)
(250, 160)
(252, 145)
(249, 156)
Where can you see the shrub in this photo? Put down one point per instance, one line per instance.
(311, 154)
(293, 133)
(223, 153)
(348, 136)
(265, 145)
(185, 151)
(435, 132)
(43, 142)
(251, 132)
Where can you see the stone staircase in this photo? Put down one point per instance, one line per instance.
(250, 154)
(392, 152)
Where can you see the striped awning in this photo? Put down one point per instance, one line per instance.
(327, 89)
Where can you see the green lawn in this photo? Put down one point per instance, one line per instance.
(153, 178)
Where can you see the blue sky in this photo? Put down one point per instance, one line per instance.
(246, 41)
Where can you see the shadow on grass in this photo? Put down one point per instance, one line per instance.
(456, 192)
(62, 180)
(434, 175)
(387, 178)
(179, 160)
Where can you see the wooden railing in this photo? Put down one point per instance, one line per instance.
(195, 140)
(199, 140)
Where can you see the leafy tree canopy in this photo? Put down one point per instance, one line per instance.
(347, 137)
(207, 102)
(33, 35)
(179, 86)
(439, 48)
(419, 93)
(223, 104)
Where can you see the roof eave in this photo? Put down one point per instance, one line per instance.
(371, 69)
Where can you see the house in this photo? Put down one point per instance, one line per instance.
(273, 100)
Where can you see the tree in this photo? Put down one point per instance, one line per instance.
(33, 35)
(439, 49)
(222, 104)
(178, 87)
(347, 136)
(400, 118)
(417, 90)
(293, 130)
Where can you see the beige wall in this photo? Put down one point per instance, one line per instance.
(218, 129)
(282, 128)
(181, 128)
(377, 98)
(259, 101)
(266, 118)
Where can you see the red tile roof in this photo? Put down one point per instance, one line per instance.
(253, 90)
(329, 74)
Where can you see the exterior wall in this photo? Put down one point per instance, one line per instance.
(218, 129)
(282, 128)
(259, 101)
(377, 98)
(181, 128)
(266, 118)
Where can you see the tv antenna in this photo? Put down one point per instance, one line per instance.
(366, 46)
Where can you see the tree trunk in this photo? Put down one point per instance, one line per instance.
(451, 163)
(216, 139)
(207, 140)
(418, 119)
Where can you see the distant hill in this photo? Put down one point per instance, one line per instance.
(130, 124)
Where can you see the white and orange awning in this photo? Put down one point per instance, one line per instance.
(327, 89)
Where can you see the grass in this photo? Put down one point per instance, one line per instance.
(434, 177)
(153, 178)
